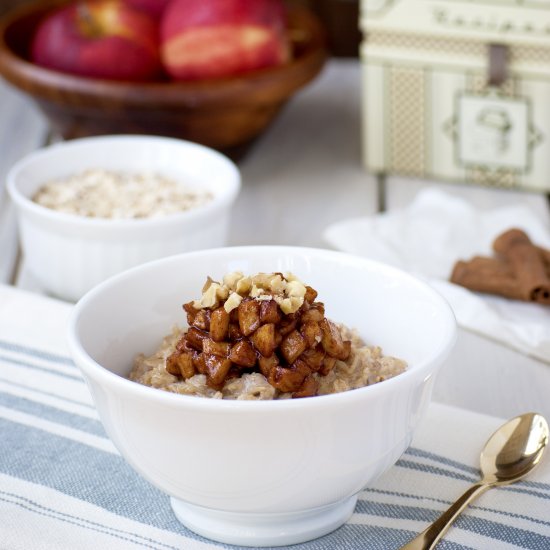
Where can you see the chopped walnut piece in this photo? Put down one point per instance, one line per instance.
(230, 280)
(232, 302)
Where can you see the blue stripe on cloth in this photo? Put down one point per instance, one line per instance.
(83, 472)
(47, 412)
(434, 470)
(489, 528)
(505, 533)
(120, 534)
(449, 502)
(413, 451)
(105, 480)
(33, 352)
(448, 473)
(353, 536)
(40, 391)
(19, 362)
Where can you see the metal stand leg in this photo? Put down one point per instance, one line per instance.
(381, 191)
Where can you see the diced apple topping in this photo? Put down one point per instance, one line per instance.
(268, 323)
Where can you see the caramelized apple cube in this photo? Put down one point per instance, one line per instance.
(267, 363)
(310, 295)
(217, 369)
(292, 346)
(234, 332)
(289, 379)
(309, 388)
(264, 339)
(249, 316)
(221, 349)
(194, 338)
(312, 333)
(198, 363)
(189, 308)
(243, 354)
(287, 324)
(316, 313)
(219, 324)
(328, 365)
(269, 312)
(314, 357)
(171, 364)
(332, 340)
(202, 319)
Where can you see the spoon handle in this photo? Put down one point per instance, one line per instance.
(431, 536)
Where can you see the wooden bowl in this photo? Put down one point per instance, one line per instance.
(225, 114)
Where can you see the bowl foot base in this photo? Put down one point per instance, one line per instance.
(250, 529)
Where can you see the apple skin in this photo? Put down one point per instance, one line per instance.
(152, 7)
(101, 39)
(219, 38)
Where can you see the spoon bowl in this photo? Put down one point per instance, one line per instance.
(514, 449)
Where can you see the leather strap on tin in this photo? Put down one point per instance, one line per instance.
(497, 70)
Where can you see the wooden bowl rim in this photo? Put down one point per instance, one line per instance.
(50, 84)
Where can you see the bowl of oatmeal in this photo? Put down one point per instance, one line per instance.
(262, 388)
(90, 208)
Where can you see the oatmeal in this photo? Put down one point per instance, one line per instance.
(98, 193)
(262, 337)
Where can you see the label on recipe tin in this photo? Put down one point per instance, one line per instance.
(504, 21)
(492, 132)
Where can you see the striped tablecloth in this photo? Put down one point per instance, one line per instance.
(63, 486)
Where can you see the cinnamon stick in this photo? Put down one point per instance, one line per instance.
(486, 275)
(545, 255)
(491, 265)
(527, 264)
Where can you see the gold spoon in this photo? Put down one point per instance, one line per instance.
(508, 456)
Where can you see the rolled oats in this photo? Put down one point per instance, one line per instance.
(97, 193)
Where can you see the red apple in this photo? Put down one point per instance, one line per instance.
(99, 38)
(216, 38)
(152, 7)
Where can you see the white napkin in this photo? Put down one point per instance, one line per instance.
(429, 236)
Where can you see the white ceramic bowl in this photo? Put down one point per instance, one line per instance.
(272, 472)
(69, 254)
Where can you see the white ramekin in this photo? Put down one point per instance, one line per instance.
(69, 254)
